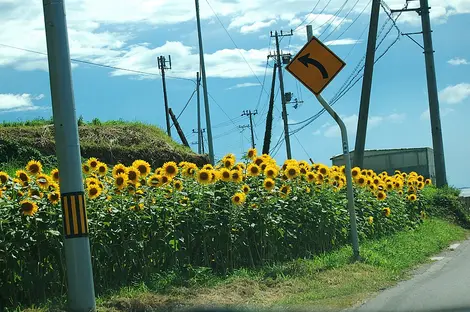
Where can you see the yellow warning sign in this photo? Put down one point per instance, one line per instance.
(74, 212)
(315, 66)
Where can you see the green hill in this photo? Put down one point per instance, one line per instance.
(112, 142)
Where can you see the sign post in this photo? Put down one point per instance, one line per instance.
(315, 66)
(81, 294)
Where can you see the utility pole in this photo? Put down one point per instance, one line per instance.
(162, 66)
(269, 117)
(200, 139)
(198, 84)
(309, 32)
(178, 128)
(249, 113)
(438, 145)
(204, 86)
(281, 85)
(80, 288)
(366, 86)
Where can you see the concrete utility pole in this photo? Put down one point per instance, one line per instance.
(198, 84)
(162, 66)
(281, 85)
(269, 116)
(200, 140)
(309, 32)
(81, 293)
(178, 128)
(366, 86)
(438, 145)
(204, 86)
(250, 114)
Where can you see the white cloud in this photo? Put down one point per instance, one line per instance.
(351, 124)
(244, 85)
(18, 102)
(256, 26)
(458, 61)
(318, 132)
(101, 31)
(345, 41)
(455, 94)
(443, 112)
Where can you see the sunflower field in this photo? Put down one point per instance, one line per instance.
(145, 220)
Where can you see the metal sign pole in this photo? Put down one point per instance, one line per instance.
(81, 293)
(347, 160)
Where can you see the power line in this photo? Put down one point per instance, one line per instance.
(236, 46)
(185, 106)
(306, 16)
(332, 18)
(342, 21)
(354, 21)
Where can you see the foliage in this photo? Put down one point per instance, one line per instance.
(111, 141)
(144, 221)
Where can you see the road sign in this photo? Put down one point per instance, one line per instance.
(315, 66)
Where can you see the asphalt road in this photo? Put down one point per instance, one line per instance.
(443, 285)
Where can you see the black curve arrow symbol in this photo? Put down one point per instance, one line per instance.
(307, 60)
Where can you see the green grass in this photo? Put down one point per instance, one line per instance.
(327, 282)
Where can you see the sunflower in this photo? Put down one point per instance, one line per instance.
(3, 177)
(165, 179)
(204, 176)
(208, 167)
(251, 153)
(245, 189)
(421, 185)
(258, 160)
(178, 185)
(53, 197)
(118, 169)
(34, 167)
(94, 191)
(154, 180)
(423, 214)
(225, 175)
(120, 181)
(237, 176)
(43, 180)
(310, 177)
(28, 207)
(55, 175)
(381, 195)
(370, 220)
(239, 198)
(184, 201)
(189, 171)
(253, 170)
(91, 181)
(35, 193)
(86, 169)
(426, 182)
(143, 167)
(361, 180)
(271, 172)
(386, 211)
(291, 172)
(22, 175)
(323, 170)
(228, 162)
(102, 169)
(269, 184)
(373, 187)
(412, 197)
(420, 179)
(389, 186)
(400, 192)
(285, 190)
(355, 172)
(133, 174)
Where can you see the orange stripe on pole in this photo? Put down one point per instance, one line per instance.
(74, 214)
(81, 206)
(66, 216)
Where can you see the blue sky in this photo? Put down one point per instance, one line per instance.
(133, 34)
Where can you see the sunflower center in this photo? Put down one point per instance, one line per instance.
(170, 169)
(27, 207)
(93, 164)
(102, 169)
(323, 171)
(119, 181)
(93, 191)
(269, 184)
(23, 177)
(292, 172)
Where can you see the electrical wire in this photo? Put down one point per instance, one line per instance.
(342, 21)
(236, 46)
(306, 16)
(332, 18)
(185, 106)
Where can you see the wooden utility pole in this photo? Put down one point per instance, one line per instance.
(250, 114)
(162, 66)
(178, 128)
(269, 116)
